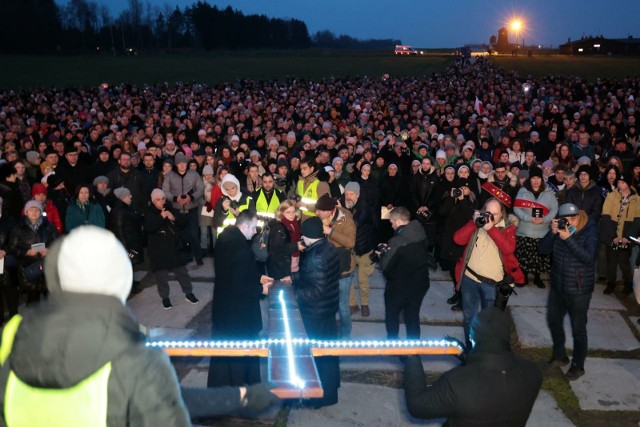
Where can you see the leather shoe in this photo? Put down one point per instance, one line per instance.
(574, 373)
(539, 283)
(353, 309)
(557, 363)
(364, 311)
(454, 298)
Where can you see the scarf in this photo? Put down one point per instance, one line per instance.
(36, 225)
(294, 230)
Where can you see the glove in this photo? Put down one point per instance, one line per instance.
(259, 398)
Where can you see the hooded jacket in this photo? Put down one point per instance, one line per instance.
(176, 185)
(493, 388)
(404, 265)
(586, 199)
(241, 198)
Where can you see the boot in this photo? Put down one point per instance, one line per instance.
(364, 311)
(609, 289)
(353, 309)
(454, 298)
(538, 281)
(628, 289)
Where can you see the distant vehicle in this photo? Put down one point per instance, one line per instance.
(405, 50)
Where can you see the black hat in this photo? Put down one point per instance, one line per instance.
(584, 168)
(312, 228)
(70, 149)
(103, 149)
(50, 151)
(535, 171)
(54, 180)
(325, 203)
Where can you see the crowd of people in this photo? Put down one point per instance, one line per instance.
(419, 167)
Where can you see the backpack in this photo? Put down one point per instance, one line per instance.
(260, 245)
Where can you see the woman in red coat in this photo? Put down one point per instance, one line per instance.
(39, 194)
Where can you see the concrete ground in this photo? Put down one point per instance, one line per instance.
(371, 392)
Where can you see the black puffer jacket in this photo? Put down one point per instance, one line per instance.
(589, 199)
(22, 237)
(573, 270)
(317, 287)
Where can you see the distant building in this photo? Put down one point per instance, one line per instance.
(601, 46)
(502, 45)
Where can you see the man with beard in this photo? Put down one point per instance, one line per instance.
(500, 184)
(268, 198)
(125, 176)
(236, 301)
(149, 172)
(73, 171)
(365, 242)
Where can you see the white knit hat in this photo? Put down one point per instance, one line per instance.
(93, 261)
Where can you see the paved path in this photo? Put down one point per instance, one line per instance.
(610, 384)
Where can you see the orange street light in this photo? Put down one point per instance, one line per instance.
(516, 25)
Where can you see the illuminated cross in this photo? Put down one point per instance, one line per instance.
(291, 366)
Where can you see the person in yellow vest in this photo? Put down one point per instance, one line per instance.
(309, 188)
(80, 358)
(233, 201)
(268, 198)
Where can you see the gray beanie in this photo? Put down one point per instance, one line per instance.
(32, 157)
(207, 170)
(157, 193)
(32, 204)
(121, 192)
(352, 186)
(98, 179)
(180, 158)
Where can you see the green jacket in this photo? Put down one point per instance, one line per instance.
(70, 337)
(91, 215)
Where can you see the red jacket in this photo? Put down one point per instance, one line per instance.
(505, 240)
(216, 194)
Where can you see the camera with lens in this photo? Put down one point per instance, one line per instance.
(281, 182)
(563, 224)
(232, 203)
(483, 219)
(504, 289)
(296, 198)
(457, 192)
(380, 250)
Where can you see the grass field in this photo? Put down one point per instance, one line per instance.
(68, 71)
(27, 71)
(589, 67)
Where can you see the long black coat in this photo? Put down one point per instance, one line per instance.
(404, 265)
(125, 223)
(162, 239)
(237, 290)
(456, 213)
(20, 241)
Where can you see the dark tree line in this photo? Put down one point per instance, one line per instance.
(35, 26)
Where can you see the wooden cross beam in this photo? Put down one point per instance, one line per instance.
(290, 353)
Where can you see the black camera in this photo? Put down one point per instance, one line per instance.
(296, 198)
(504, 289)
(483, 219)
(232, 203)
(281, 182)
(563, 223)
(380, 250)
(457, 192)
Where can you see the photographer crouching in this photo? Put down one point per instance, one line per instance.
(404, 265)
(573, 243)
(488, 269)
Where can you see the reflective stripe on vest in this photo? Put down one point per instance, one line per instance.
(231, 218)
(263, 207)
(84, 404)
(311, 193)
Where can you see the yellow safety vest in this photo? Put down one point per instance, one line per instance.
(231, 218)
(84, 404)
(263, 207)
(310, 193)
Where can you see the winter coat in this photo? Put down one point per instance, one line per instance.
(280, 250)
(493, 387)
(91, 215)
(423, 188)
(526, 227)
(236, 294)
(505, 240)
(176, 185)
(393, 191)
(162, 239)
(133, 181)
(125, 223)
(455, 213)
(629, 223)
(573, 268)
(65, 340)
(404, 265)
(21, 239)
(343, 237)
(365, 232)
(53, 216)
(317, 288)
(12, 199)
(588, 199)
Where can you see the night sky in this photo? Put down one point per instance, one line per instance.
(450, 23)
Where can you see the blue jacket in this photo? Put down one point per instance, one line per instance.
(317, 288)
(573, 270)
